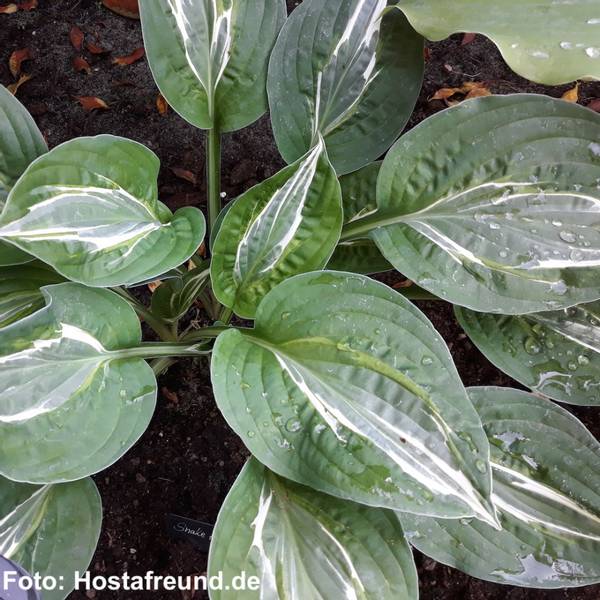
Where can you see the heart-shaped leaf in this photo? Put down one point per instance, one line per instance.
(555, 353)
(547, 42)
(345, 386)
(209, 57)
(72, 398)
(349, 70)
(546, 489)
(303, 544)
(493, 205)
(20, 293)
(21, 142)
(90, 209)
(358, 200)
(51, 530)
(286, 225)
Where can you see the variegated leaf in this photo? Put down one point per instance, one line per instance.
(303, 544)
(75, 393)
(494, 205)
(546, 489)
(209, 57)
(51, 530)
(90, 209)
(286, 225)
(555, 353)
(343, 385)
(348, 70)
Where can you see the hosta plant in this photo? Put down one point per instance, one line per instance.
(364, 441)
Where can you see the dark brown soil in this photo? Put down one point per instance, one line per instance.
(188, 458)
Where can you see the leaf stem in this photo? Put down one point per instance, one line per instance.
(160, 327)
(204, 334)
(213, 172)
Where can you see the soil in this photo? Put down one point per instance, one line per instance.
(188, 458)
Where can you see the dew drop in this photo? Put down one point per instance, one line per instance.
(244, 385)
(285, 315)
(427, 360)
(593, 52)
(568, 236)
(572, 366)
(532, 346)
(583, 360)
(251, 434)
(559, 287)
(481, 466)
(293, 425)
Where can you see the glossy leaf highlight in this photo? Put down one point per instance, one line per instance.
(67, 382)
(287, 225)
(546, 489)
(303, 544)
(343, 385)
(209, 57)
(90, 209)
(52, 530)
(493, 205)
(348, 70)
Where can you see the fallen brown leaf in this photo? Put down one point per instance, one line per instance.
(469, 89)
(594, 104)
(468, 38)
(427, 54)
(80, 64)
(130, 59)
(478, 92)
(126, 8)
(403, 284)
(9, 9)
(90, 103)
(96, 49)
(15, 60)
(184, 174)
(202, 250)
(572, 95)
(76, 37)
(28, 4)
(13, 88)
(162, 105)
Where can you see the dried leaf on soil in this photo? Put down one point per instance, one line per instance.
(130, 59)
(469, 89)
(76, 37)
(170, 396)
(126, 8)
(94, 48)
(13, 88)
(594, 104)
(15, 60)
(90, 103)
(28, 5)
(468, 38)
(572, 95)
(9, 9)
(80, 64)
(153, 285)
(184, 174)
(162, 105)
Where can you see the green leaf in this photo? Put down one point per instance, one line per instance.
(20, 293)
(555, 353)
(349, 70)
(286, 225)
(21, 142)
(209, 57)
(358, 199)
(173, 298)
(303, 544)
(345, 386)
(493, 205)
(548, 42)
(72, 400)
(546, 489)
(90, 209)
(52, 530)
